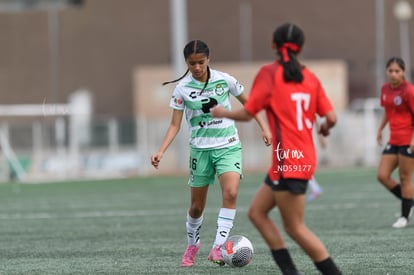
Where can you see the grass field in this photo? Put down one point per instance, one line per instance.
(136, 226)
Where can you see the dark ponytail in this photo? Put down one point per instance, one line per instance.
(289, 40)
(193, 47)
(178, 79)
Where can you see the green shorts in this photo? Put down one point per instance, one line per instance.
(206, 164)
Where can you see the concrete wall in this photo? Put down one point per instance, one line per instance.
(151, 108)
(100, 44)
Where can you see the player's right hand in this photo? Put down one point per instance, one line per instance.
(218, 111)
(267, 137)
(155, 159)
(379, 138)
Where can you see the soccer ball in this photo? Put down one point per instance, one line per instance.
(237, 251)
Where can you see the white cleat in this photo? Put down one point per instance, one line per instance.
(400, 223)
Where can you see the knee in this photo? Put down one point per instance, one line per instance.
(256, 215)
(288, 229)
(230, 195)
(292, 230)
(382, 177)
(405, 177)
(252, 215)
(195, 210)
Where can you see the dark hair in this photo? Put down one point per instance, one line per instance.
(194, 47)
(289, 40)
(398, 60)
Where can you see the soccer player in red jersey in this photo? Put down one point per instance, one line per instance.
(292, 96)
(397, 98)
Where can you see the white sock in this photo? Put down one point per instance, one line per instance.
(224, 225)
(193, 229)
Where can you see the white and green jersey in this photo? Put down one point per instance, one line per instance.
(206, 131)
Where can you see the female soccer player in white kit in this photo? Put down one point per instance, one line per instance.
(215, 148)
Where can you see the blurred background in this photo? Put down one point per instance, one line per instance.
(80, 80)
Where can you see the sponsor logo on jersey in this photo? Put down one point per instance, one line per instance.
(232, 139)
(209, 92)
(212, 122)
(193, 95)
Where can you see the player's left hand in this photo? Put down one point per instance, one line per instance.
(324, 130)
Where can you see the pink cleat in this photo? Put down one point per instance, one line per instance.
(215, 255)
(189, 255)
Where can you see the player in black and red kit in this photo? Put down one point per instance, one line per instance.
(397, 98)
(292, 97)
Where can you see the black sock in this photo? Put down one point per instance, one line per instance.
(396, 190)
(328, 267)
(283, 260)
(406, 205)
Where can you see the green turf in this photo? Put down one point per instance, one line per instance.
(136, 226)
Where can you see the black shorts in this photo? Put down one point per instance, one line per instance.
(398, 150)
(296, 186)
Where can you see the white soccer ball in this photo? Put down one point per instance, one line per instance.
(237, 251)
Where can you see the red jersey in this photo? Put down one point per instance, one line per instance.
(399, 106)
(290, 109)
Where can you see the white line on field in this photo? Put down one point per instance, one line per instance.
(160, 212)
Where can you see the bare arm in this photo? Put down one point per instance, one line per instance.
(321, 138)
(242, 115)
(412, 143)
(238, 115)
(329, 122)
(383, 123)
(266, 135)
(172, 131)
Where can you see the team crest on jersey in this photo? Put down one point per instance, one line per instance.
(219, 90)
(397, 100)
